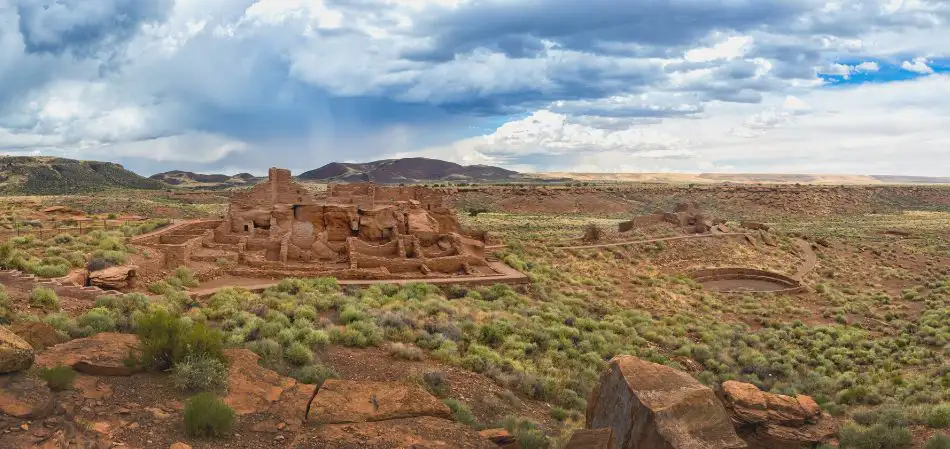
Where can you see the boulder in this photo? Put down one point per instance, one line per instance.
(113, 278)
(500, 437)
(15, 353)
(253, 388)
(655, 406)
(592, 439)
(347, 401)
(39, 335)
(754, 225)
(768, 420)
(23, 396)
(104, 354)
(625, 226)
(422, 432)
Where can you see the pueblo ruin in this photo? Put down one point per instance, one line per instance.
(352, 231)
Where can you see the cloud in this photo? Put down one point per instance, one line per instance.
(83, 26)
(211, 84)
(918, 66)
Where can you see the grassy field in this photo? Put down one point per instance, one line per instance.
(870, 340)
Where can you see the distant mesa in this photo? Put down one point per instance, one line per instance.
(180, 178)
(42, 175)
(408, 170)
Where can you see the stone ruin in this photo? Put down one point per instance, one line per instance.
(363, 231)
(688, 216)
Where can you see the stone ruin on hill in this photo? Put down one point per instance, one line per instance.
(363, 231)
(689, 216)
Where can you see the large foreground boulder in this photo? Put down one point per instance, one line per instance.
(15, 353)
(768, 420)
(104, 354)
(39, 335)
(347, 401)
(647, 405)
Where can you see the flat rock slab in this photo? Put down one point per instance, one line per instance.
(24, 396)
(104, 354)
(253, 388)
(346, 401)
(424, 432)
(15, 353)
(592, 439)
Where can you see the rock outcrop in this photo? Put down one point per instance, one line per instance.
(253, 388)
(347, 401)
(592, 439)
(104, 354)
(39, 335)
(113, 278)
(422, 432)
(768, 420)
(15, 353)
(647, 405)
(24, 396)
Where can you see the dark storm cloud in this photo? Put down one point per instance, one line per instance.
(584, 25)
(55, 26)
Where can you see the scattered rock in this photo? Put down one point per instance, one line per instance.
(91, 387)
(253, 388)
(15, 353)
(113, 278)
(347, 401)
(768, 420)
(592, 439)
(103, 354)
(39, 335)
(179, 445)
(25, 396)
(650, 405)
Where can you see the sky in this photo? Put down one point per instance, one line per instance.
(752, 86)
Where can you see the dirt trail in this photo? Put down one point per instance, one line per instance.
(664, 239)
(811, 260)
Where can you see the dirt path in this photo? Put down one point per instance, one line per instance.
(811, 260)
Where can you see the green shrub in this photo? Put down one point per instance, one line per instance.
(58, 377)
(436, 383)
(160, 287)
(269, 350)
(314, 374)
(938, 442)
(298, 354)
(207, 416)
(939, 416)
(200, 372)
(186, 277)
(559, 414)
(167, 339)
(526, 432)
(405, 352)
(460, 412)
(7, 312)
(63, 239)
(878, 436)
(44, 298)
(98, 319)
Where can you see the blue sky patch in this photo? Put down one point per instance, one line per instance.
(888, 71)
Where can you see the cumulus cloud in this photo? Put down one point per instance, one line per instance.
(213, 84)
(919, 65)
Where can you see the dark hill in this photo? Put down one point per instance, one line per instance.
(408, 170)
(180, 178)
(40, 175)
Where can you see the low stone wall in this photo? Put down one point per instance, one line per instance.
(26, 281)
(720, 274)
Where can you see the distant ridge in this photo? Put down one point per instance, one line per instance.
(186, 179)
(745, 178)
(409, 170)
(42, 175)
